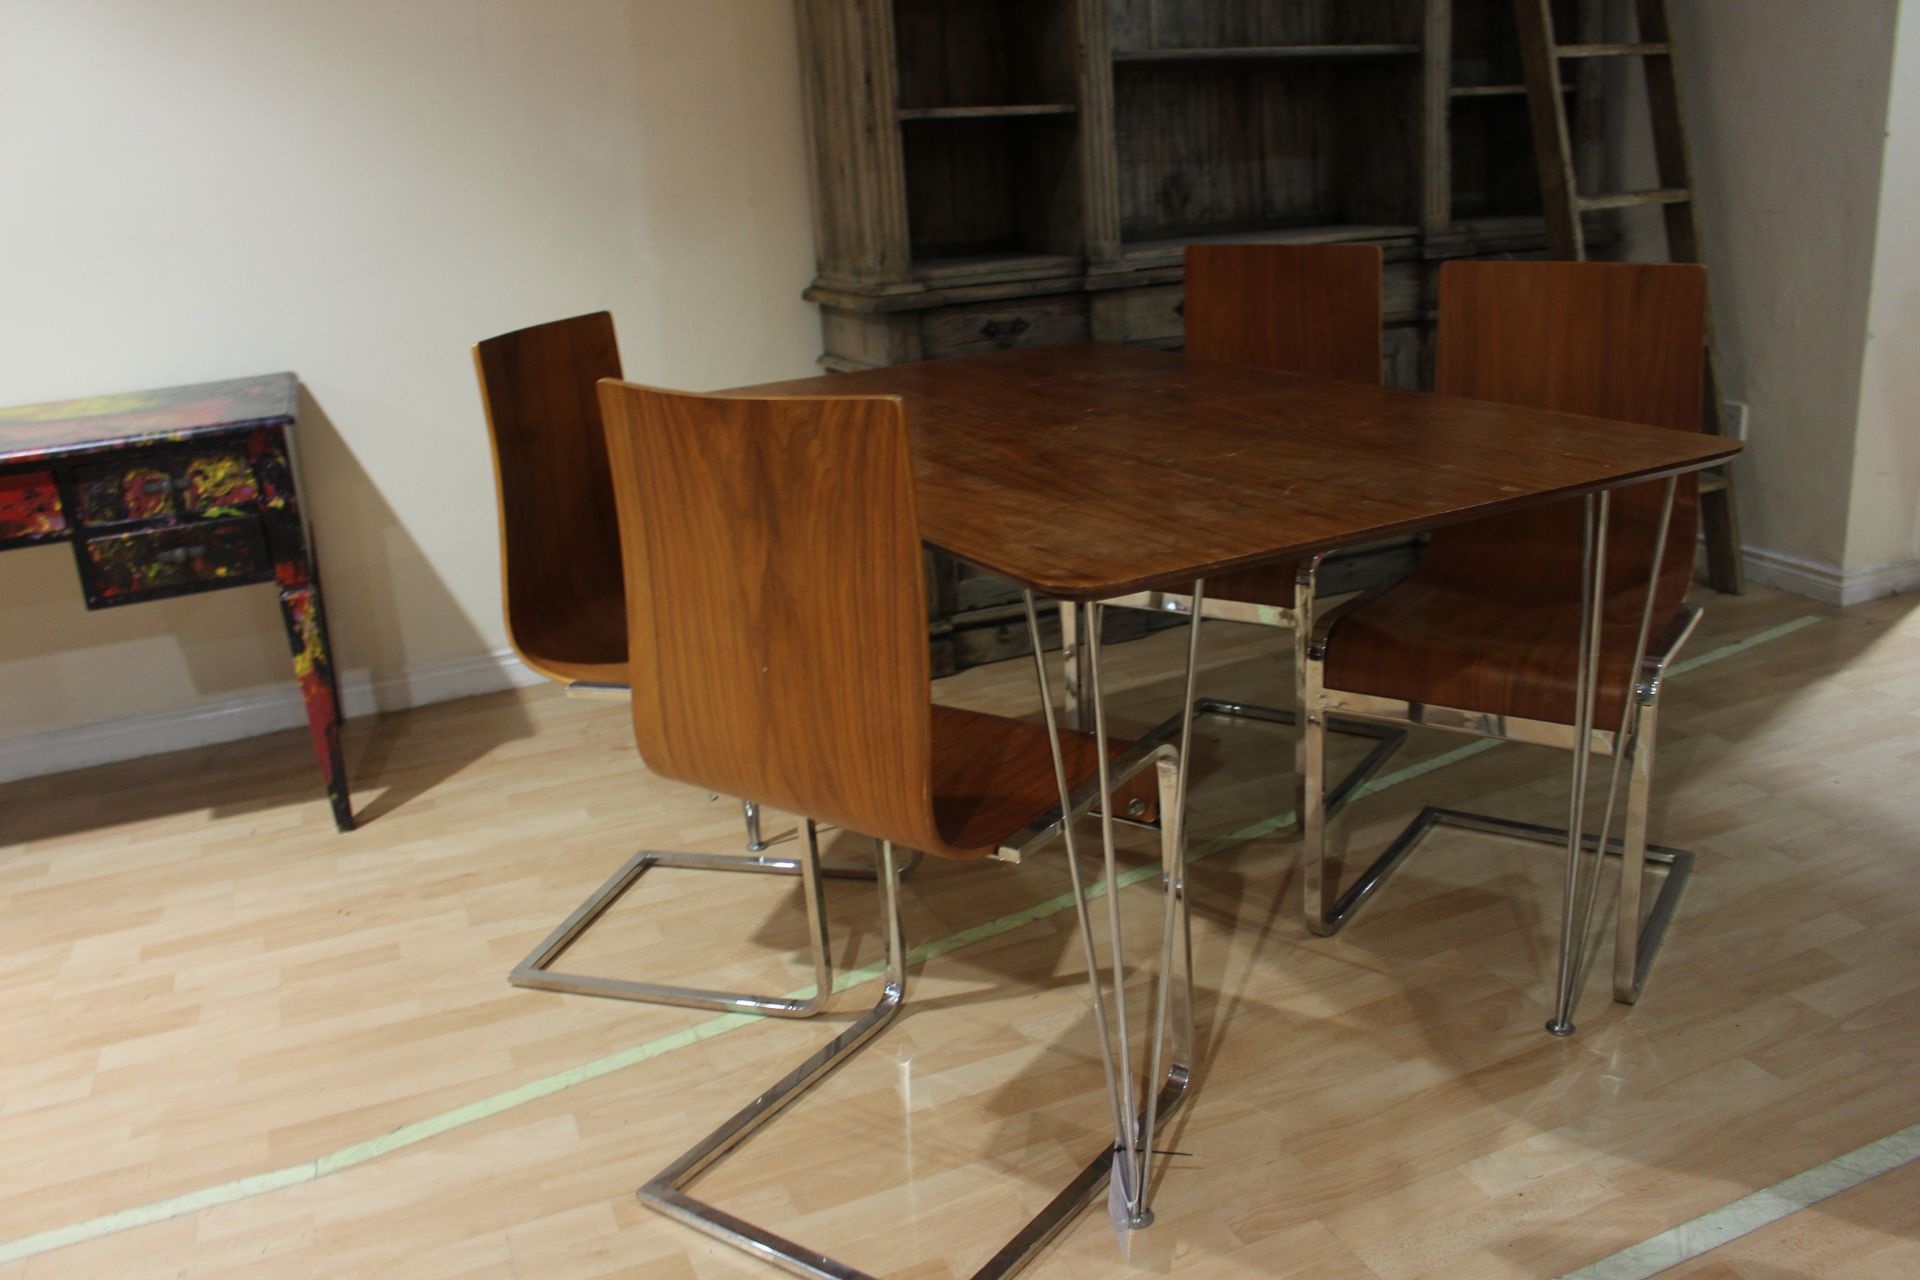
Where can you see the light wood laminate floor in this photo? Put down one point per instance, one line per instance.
(202, 984)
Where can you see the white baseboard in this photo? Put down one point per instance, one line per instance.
(248, 715)
(1829, 583)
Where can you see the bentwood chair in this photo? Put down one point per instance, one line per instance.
(566, 604)
(1485, 637)
(777, 614)
(1296, 308)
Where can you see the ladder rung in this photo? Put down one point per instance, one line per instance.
(1613, 50)
(1634, 199)
(1499, 90)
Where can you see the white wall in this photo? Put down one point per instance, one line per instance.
(1806, 202)
(357, 190)
(1883, 521)
(1785, 106)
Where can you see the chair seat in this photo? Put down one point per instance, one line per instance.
(584, 641)
(992, 776)
(1270, 584)
(1434, 644)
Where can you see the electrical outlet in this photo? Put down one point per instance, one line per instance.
(1733, 415)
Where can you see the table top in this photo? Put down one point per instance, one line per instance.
(1090, 470)
(64, 428)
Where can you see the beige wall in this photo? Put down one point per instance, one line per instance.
(1786, 103)
(357, 190)
(1883, 521)
(1797, 113)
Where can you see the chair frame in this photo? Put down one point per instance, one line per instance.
(536, 970)
(1636, 944)
(707, 737)
(666, 1192)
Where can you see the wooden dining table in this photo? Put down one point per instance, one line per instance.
(1092, 470)
(1088, 471)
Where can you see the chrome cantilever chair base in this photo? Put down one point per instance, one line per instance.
(536, 971)
(666, 1192)
(1636, 942)
(1651, 932)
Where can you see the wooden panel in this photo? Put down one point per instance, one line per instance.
(980, 185)
(1017, 456)
(1403, 359)
(849, 91)
(765, 522)
(122, 568)
(867, 339)
(210, 480)
(1311, 309)
(980, 327)
(1613, 340)
(1155, 313)
(1490, 620)
(560, 564)
(1207, 149)
(30, 507)
(1178, 24)
(120, 490)
(792, 663)
(980, 52)
(989, 128)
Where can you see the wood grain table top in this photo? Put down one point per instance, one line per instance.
(1091, 470)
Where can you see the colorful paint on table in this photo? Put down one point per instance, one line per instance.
(175, 492)
(30, 508)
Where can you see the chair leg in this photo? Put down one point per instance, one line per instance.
(1636, 944)
(1073, 659)
(1320, 874)
(535, 972)
(666, 1191)
(1633, 860)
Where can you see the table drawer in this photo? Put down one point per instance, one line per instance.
(30, 507)
(120, 568)
(980, 327)
(213, 480)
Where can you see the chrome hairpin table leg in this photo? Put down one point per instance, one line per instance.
(1130, 1186)
(1577, 921)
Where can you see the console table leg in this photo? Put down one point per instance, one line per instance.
(313, 666)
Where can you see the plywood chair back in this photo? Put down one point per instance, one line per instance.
(1608, 340)
(559, 539)
(776, 605)
(1298, 308)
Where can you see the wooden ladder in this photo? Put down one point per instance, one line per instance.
(1564, 204)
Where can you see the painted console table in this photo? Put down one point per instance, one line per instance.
(174, 492)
